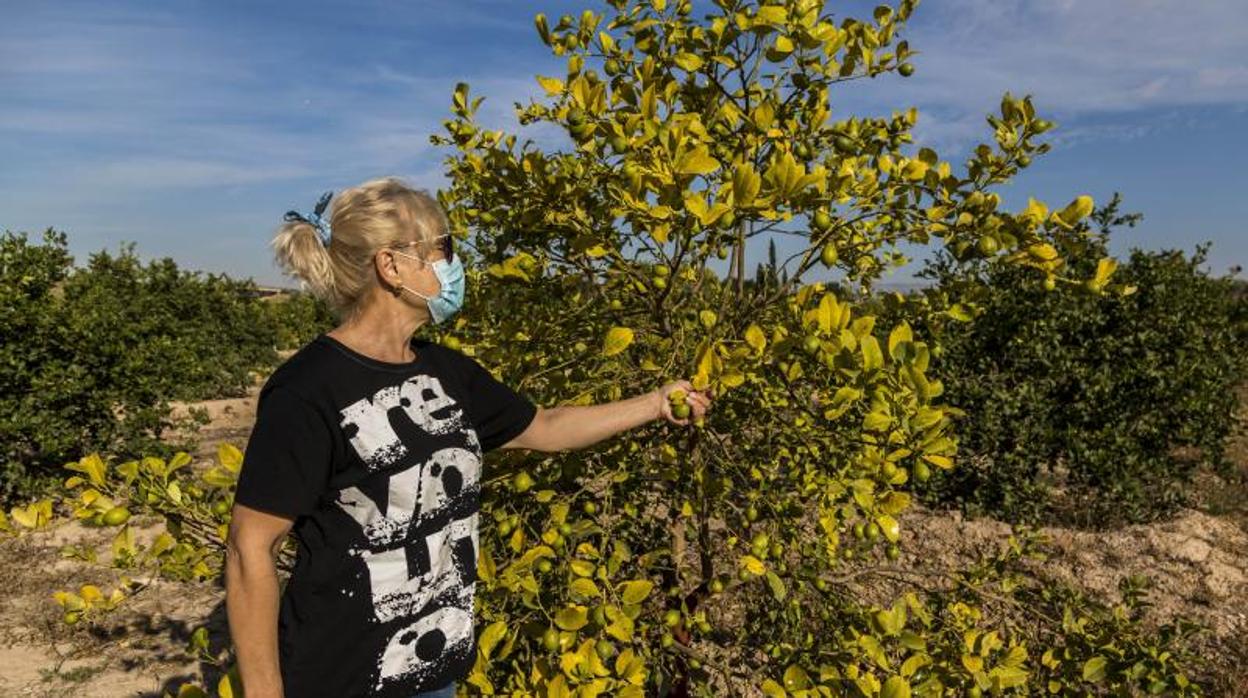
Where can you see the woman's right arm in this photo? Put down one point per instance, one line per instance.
(251, 596)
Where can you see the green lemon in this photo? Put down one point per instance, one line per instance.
(921, 471)
(550, 639)
(544, 566)
(659, 282)
(612, 66)
(822, 220)
(565, 528)
(220, 507)
(662, 270)
(892, 552)
(810, 344)
(751, 513)
(873, 531)
(666, 640)
(906, 69)
(116, 516)
(987, 245)
(681, 411)
(605, 649)
(521, 481)
(828, 255)
(717, 586)
(671, 618)
(589, 508)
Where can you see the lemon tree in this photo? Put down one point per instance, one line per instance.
(614, 570)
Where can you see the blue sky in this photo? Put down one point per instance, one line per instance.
(190, 127)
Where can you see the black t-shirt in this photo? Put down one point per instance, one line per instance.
(380, 466)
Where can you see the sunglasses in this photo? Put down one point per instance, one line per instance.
(444, 244)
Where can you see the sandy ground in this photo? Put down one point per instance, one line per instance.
(1198, 560)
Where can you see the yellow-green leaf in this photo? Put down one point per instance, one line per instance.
(697, 161)
(688, 61)
(895, 687)
(572, 617)
(553, 86)
(617, 340)
(490, 636)
(872, 357)
(755, 338)
(636, 591)
(890, 527)
(753, 564)
(1094, 669)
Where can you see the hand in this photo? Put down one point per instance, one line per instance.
(699, 402)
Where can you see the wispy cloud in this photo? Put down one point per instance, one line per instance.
(1125, 60)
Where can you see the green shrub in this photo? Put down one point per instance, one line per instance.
(93, 355)
(1078, 405)
(298, 318)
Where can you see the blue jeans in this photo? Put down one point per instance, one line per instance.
(447, 691)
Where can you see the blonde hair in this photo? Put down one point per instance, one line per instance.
(379, 213)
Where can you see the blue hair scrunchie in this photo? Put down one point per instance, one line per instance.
(314, 218)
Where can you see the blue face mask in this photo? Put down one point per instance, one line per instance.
(450, 296)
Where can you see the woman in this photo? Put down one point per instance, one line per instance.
(368, 444)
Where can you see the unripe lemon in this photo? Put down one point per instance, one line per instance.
(220, 507)
(906, 69)
(987, 245)
(661, 270)
(680, 411)
(116, 516)
(521, 481)
(544, 566)
(810, 344)
(828, 255)
(921, 471)
(590, 508)
(550, 639)
(822, 220)
(660, 283)
(671, 618)
(873, 531)
(892, 552)
(717, 586)
(666, 640)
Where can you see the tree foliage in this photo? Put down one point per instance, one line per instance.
(1090, 409)
(99, 351)
(696, 136)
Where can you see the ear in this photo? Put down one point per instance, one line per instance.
(386, 267)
